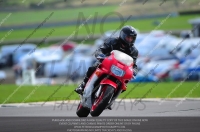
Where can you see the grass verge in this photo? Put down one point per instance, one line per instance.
(172, 23)
(135, 90)
(38, 16)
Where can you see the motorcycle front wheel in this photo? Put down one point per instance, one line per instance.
(101, 102)
(82, 111)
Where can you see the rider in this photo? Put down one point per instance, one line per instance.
(124, 43)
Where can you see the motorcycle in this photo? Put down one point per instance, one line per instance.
(106, 84)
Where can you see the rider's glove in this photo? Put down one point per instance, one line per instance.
(101, 56)
(134, 72)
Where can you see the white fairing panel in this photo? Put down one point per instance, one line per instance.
(122, 57)
(88, 91)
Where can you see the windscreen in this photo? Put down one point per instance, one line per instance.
(122, 57)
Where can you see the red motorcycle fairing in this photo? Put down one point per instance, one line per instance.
(109, 82)
(110, 61)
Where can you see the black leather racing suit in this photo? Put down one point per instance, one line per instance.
(109, 45)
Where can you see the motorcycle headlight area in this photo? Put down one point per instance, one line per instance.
(117, 71)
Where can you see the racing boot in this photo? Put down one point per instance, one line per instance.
(81, 86)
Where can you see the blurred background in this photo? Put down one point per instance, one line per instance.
(49, 41)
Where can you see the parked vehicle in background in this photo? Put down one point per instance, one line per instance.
(140, 38)
(39, 58)
(74, 64)
(23, 50)
(159, 68)
(188, 70)
(2, 61)
(69, 66)
(150, 43)
(190, 48)
(7, 54)
(12, 53)
(67, 46)
(188, 54)
(2, 76)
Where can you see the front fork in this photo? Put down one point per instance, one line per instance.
(98, 92)
(114, 85)
(112, 100)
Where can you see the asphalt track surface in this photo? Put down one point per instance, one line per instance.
(124, 108)
(159, 116)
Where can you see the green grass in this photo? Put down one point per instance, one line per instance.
(149, 90)
(26, 3)
(172, 23)
(38, 16)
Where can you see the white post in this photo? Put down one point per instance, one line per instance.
(28, 77)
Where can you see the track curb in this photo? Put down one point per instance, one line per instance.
(53, 103)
